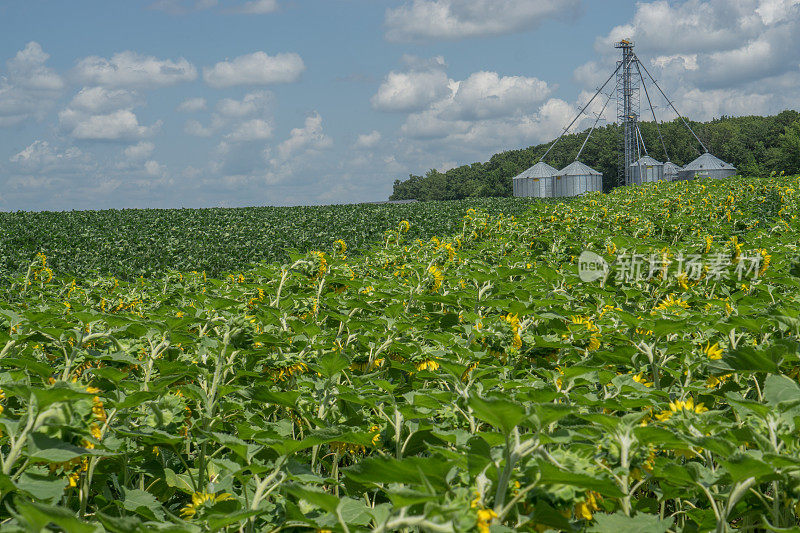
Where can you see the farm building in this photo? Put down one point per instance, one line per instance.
(576, 179)
(535, 182)
(671, 171)
(646, 170)
(707, 166)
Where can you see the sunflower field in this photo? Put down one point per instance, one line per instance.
(477, 380)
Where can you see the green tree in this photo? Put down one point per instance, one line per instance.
(790, 148)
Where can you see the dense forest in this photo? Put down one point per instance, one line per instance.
(756, 145)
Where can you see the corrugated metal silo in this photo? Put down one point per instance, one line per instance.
(671, 171)
(576, 179)
(647, 170)
(707, 166)
(558, 186)
(536, 182)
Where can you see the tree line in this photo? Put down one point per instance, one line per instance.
(755, 145)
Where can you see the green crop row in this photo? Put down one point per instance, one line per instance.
(474, 381)
(145, 242)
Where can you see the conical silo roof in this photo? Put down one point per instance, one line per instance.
(708, 162)
(539, 170)
(576, 168)
(671, 168)
(647, 161)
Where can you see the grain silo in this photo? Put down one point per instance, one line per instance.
(671, 171)
(707, 166)
(535, 182)
(576, 179)
(646, 170)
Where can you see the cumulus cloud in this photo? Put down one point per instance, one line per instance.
(139, 151)
(254, 69)
(194, 127)
(537, 125)
(246, 119)
(488, 95)
(484, 109)
(154, 168)
(459, 19)
(100, 99)
(30, 72)
(129, 69)
(308, 138)
(413, 89)
(192, 105)
(251, 130)
(472, 118)
(713, 56)
(29, 88)
(40, 155)
(102, 114)
(368, 140)
(253, 103)
(120, 125)
(256, 7)
(440, 100)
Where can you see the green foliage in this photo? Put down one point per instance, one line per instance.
(467, 382)
(755, 145)
(144, 242)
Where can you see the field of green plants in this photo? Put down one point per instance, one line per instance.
(471, 381)
(130, 243)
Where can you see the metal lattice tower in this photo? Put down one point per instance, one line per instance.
(627, 109)
(630, 78)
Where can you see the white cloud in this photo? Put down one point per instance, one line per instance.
(101, 114)
(129, 69)
(194, 127)
(412, 90)
(119, 125)
(40, 154)
(29, 70)
(684, 61)
(154, 168)
(192, 105)
(490, 135)
(251, 130)
(30, 88)
(246, 119)
(772, 11)
(368, 140)
(691, 27)
(713, 56)
(308, 138)
(591, 74)
(458, 19)
(463, 111)
(427, 89)
(100, 99)
(257, 68)
(487, 95)
(475, 117)
(139, 151)
(707, 104)
(729, 34)
(252, 103)
(256, 7)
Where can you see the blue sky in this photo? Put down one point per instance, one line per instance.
(193, 103)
